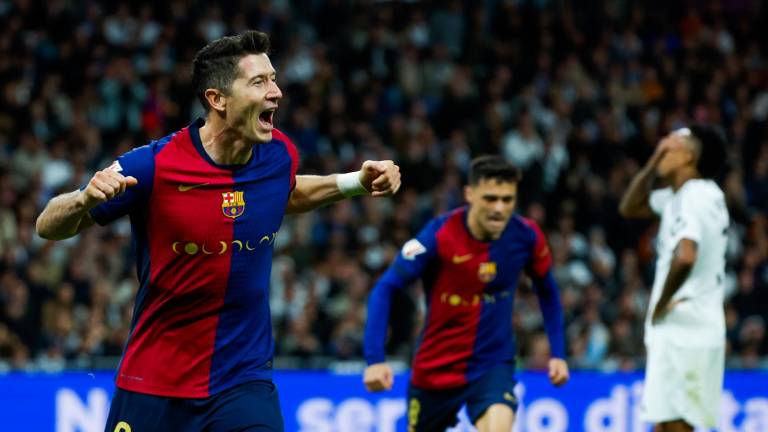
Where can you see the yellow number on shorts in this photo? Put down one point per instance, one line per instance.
(122, 427)
(414, 407)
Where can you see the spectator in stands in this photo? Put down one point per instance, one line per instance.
(600, 86)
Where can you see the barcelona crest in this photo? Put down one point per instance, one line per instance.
(232, 204)
(487, 271)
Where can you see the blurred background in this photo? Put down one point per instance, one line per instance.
(577, 94)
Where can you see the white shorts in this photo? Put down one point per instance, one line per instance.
(683, 383)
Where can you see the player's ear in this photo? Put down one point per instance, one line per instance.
(690, 157)
(468, 193)
(216, 99)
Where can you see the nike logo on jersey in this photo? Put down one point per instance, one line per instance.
(508, 396)
(184, 188)
(458, 259)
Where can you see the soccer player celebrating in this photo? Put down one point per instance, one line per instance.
(685, 326)
(470, 260)
(205, 205)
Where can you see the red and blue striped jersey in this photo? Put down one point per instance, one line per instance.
(203, 235)
(469, 289)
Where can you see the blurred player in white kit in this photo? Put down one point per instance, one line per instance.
(685, 325)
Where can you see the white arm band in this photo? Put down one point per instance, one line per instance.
(349, 184)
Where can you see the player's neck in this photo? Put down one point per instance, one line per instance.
(477, 232)
(683, 175)
(223, 145)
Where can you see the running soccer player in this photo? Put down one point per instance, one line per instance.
(685, 325)
(470, 260)
(205, 205)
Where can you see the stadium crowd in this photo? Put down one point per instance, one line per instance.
(577, 96)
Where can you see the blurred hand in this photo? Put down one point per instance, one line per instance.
(661, 310)
(378, 377)
(558, 371)
(664, 146)
(657, 155)
(105, 185)
(380, 178)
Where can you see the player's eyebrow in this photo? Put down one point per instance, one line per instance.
(498, 196)
(263, 75)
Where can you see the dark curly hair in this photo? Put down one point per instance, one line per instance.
(492, 167)
(712, 151)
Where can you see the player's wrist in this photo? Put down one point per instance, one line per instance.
(83, 201)
(648, 171)
(349, 184)
(374, 359)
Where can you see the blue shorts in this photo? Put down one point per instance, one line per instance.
(436, 410)
(251, 406)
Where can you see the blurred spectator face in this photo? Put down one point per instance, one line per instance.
(252, 99)
(679, 153)
(491, 204)
(540, 353)
(66, 294)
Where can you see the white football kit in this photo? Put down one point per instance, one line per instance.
(686, 349)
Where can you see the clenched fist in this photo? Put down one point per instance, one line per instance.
(105, 185)
(380, 178)
(558, 371)
(378, 377)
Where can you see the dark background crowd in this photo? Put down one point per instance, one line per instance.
(576, 93)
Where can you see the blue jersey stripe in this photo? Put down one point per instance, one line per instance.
(244, 345)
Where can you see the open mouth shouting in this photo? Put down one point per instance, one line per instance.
(496, 220)
(266, 118)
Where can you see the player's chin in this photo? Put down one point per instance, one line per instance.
(495, 226)
(262, 135)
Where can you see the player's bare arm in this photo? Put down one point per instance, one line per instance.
(378, 377)
(66, 215)
(634, 203)
(558, 371)
(682, 263)
(375, 178)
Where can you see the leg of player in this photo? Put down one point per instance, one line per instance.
(673, 426)
(497, 418)
(491, 400)
(253, 406)
(433, 410)
(131, 412)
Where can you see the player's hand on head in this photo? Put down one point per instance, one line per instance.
(558, 371)
(105, 185)
(380, 178)
(378, 377)
(659, 152)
